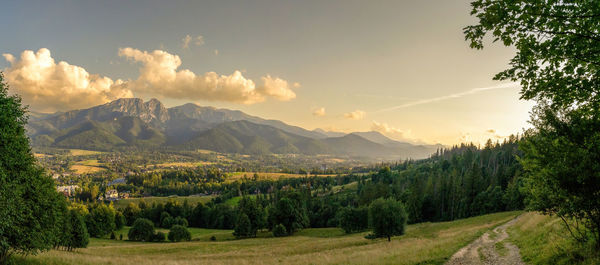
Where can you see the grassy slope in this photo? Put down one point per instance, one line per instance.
(545, 240)
(426, 243)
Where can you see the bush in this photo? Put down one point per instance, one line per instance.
(179, 233)
(279, 231)
(158, 237)
(112, 235)
(180, 221)
(101, 220)
(120, 236)
(213, 238)
(119, 220)
(142, 230)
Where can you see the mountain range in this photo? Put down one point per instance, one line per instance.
(131, 122)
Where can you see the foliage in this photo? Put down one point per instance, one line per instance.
(101, 220)
(279, 231)
(557, 45)
(387, 217)
(353, 219)
(119, 220)
(254, 214)
(561, 159)
(73, 232)
(179, 233)
(290, 211)
(30, 207)
(142, 230)
(159, 237)
(243, 227)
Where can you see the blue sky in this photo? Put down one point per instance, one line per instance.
(403, 64)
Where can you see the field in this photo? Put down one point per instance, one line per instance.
(425, 243)
(183, 164)
(83, 169)
(79, 152)
(193, 200)
(545, 240)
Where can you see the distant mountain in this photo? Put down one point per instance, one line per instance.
(329, 133)
(131, 122)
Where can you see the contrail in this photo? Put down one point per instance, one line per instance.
(456, 95)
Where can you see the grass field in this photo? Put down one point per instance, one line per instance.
(264, 175)
(83, 169)
(149, 200)
(425, 243)
(80, 152)
(545, 240)
(184, 164)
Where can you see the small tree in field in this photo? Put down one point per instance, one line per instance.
(387, 217)
(142, 230)
(179, 233)
(279, 231)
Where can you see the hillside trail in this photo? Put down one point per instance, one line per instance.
(484, 250)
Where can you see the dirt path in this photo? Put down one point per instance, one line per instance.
(490, 248)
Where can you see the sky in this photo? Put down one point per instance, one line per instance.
(401, 68)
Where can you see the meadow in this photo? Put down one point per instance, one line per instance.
(424, 243)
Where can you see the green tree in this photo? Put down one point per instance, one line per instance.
(78, 236)
(30, 208)
(556, 63)
(158, 237)
(243, 227)
(101, 220)
(179, 233)
(561, 161)
(255, 214)
(353, 219)
(291, 213)
(131, 213)
(142, 230)
(119, 220)
(387, 217)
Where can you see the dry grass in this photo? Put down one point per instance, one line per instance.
(83, 169)
(80, 152)
(428, 243)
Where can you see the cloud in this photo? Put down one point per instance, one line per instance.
(48, 86)
(355, 115)
(186, 41)
(456, 95)
(199, 40)
(159, 76)
(319, 112)
(389, 131)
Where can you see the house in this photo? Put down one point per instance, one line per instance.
(68, 190)
(111, 195)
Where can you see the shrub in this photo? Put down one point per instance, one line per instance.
(353, 219)
(213, 238)
(142, 230)
(179, 233)
(279, 231)
(112, 235)
(243, 228)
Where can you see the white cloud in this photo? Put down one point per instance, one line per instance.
(186, 41)
(389, 131)
(199, 40)
(319, 112)
(355, 115)
(159, 76)
(49, 86)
